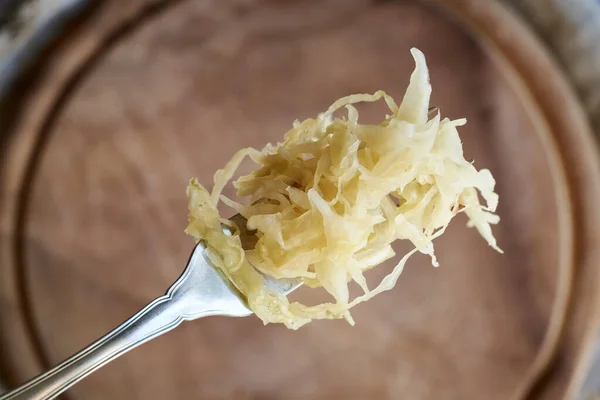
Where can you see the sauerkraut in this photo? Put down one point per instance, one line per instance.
(329, 200)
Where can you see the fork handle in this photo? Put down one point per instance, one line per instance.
(158, 317)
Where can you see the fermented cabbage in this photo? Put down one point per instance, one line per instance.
(329, 200)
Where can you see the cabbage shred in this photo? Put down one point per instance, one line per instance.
(329, 200)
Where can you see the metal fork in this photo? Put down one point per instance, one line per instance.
(201, 291)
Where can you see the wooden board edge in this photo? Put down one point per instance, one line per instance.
(534, 74)
(63, 64)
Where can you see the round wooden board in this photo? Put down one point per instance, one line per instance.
(140, 96)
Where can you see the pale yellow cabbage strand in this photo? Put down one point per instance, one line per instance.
(329, 200)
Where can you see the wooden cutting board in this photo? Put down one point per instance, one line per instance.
(139, 96)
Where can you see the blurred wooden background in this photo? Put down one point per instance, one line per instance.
(572, 31)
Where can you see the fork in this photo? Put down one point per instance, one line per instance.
(201, 291)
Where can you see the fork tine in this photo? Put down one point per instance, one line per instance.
(249, 240)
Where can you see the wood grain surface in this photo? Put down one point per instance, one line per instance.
(102, 209)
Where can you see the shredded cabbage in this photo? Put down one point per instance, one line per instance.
(329, 200)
